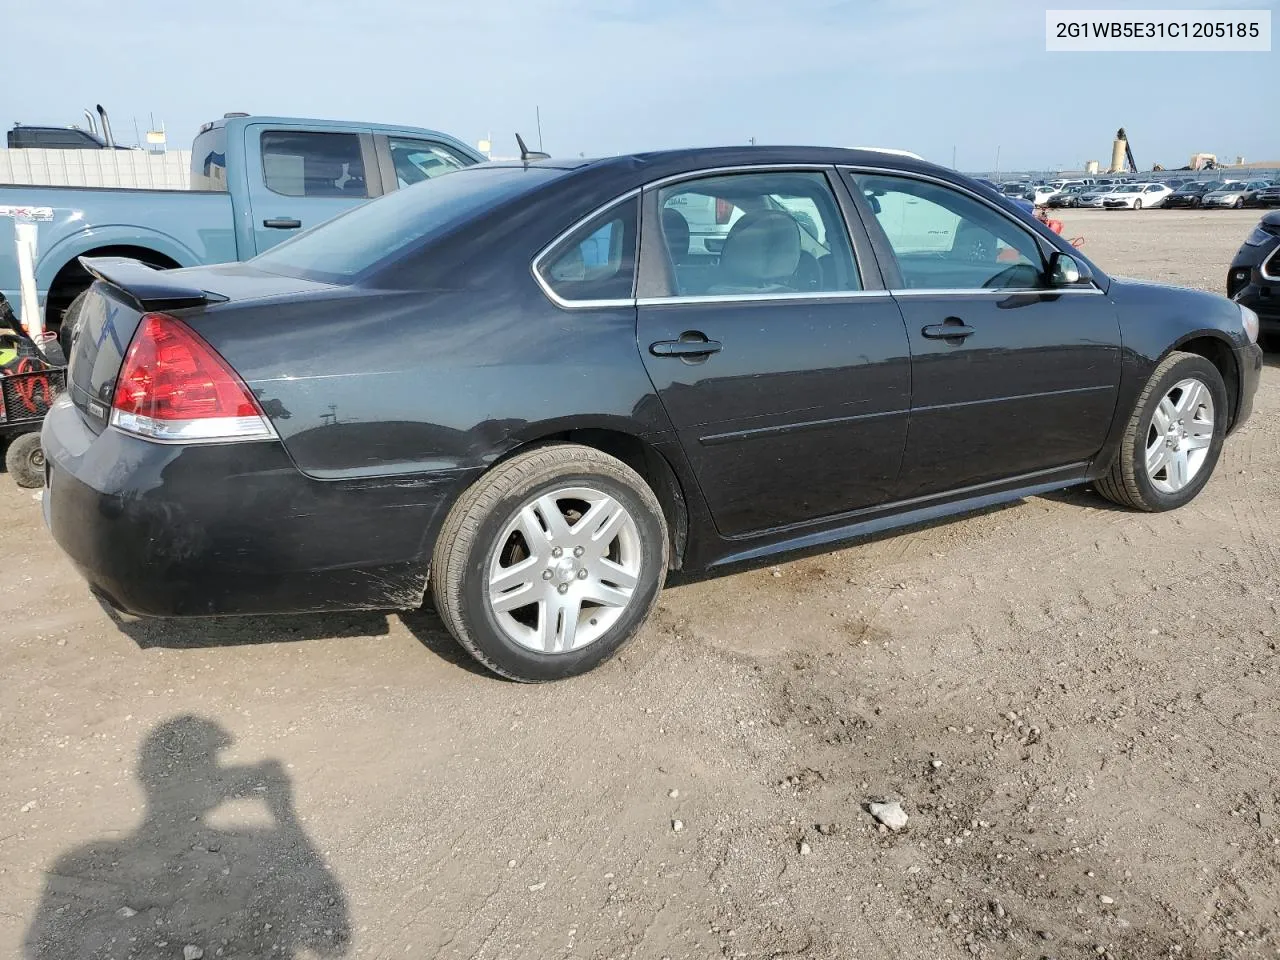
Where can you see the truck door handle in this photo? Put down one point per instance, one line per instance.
(953, 328)
(690, 345)
(282, 223)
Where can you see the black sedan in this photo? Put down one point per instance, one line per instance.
(1190, 194)
(524, 390)
(1253, 279)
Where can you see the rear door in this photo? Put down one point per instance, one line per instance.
(303, 177)
(779, 357)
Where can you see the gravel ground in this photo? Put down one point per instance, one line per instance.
(1074, 704)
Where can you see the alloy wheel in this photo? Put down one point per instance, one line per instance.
(564, 569)
(1180, 435)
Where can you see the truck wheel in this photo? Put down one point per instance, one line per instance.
(550, 562)
(70, 317)
(1173, 438)
(25, 461)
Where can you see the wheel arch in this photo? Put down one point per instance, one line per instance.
(1217, 349)
(69, 278)
(642, 457)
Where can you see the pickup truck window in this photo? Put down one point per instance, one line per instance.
(310, 164)
(370, 235)
(418, 160)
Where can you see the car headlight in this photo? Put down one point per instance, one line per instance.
(1250, 321)
(1258, 237)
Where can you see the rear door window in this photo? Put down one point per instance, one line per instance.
(313, 164)
(771, 233)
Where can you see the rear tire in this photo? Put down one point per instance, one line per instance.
(25, 461)
(586, 595)
(1161, 441)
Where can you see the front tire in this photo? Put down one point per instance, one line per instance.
(25, 461)
(1137, 204)
(1173, 439)
(550, 562)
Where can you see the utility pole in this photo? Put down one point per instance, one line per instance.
(751, 140)
(997, 161)
(953, 157)
(538, 111)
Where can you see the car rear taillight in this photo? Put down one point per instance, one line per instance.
(724, 210)
(174, 388)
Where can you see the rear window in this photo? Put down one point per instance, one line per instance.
(209, 160)
(343, 249)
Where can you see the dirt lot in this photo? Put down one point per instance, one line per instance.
(1076, 705)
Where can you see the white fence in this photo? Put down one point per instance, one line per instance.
(97, 168)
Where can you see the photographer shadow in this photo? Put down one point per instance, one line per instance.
(181, 885)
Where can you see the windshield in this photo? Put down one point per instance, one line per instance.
(1130, 188)
(342, 249)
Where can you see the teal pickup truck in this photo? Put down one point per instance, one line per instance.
(254, 182)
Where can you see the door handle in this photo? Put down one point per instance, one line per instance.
(686, 346)
(282, 223)
(952, 328)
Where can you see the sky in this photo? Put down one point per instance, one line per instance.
(931, 76)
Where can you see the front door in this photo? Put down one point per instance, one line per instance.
(786, 378)
(1009, 377)
(304, 177)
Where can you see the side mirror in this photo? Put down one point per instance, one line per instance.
(1065, 270)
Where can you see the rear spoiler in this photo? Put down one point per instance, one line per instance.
(149, 288)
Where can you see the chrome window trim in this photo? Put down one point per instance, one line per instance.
(996, 291)
(765, 297)
(738, 168)
(940, 181)
(535, 265)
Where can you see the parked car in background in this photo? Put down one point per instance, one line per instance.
(1070, 195)
(1255, 189)
(1190, 194)
(1232, 194)
(1136, 196)
(434, 393)
(1042, 194)
(254, 182)
(1019, 201)
(1269, 197)
(1253, 280)
(1094, 196)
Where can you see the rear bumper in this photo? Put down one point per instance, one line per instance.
(232, 528)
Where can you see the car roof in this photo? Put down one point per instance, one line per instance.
(660, 163)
